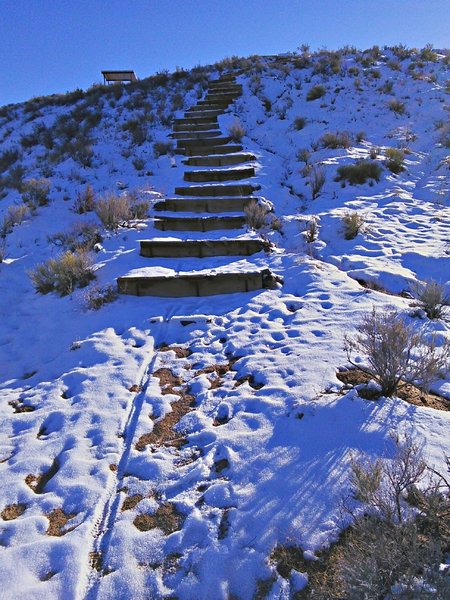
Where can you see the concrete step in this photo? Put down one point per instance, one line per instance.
(244, 189)
(204, 142)
(195, 135)
(224, 175)
(207, 205)
(208, 150)
(196, 112)
(201, 248)
(196, 121)
(195, 126)
(219, 161)
(199, 223)
(196, 284)
(230, 89)
(212, 104)
(222, 97)
(229, 86)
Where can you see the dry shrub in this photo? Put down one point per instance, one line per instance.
(255, 214)
(236, 131)
(64, 273)
(113, 211)
(97, 296)
(433, 298)
(397, 353)
(396, 106)
(311, 231)
(316, 180)
(35, 193)
(353, 223)
(85, 201)
(299, 123)
(316, 92)
(81, 237)
(340, 139)
(161, 148)
(14, 216)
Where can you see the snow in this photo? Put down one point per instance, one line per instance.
(260, 467)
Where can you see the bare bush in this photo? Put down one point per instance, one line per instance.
(395, 158)
(113, 211)
(14, 216)
(433, 298)
(316, 180)
(299, 123)
(81, 237)
(340, 139)
(255, 214)
(64, 273)
(35, 193)
(353, 223)
(161, 148)
(236, 131)
(85, 201)
(97, 296)
(311, 231)
(359, 172)
(396, 353)
(316, 92)
(396, 106)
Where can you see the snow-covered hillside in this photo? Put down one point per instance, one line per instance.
(92, 505)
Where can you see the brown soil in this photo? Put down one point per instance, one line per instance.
(21, 408)
(57, 522)
(251, 382)
(218, 371)
(409, 393)
(96, 561)
(221, 465)
(224, 525)
(135, 388)
(12, 511)
(163, 431)
(180, 352)
(166, 518)
(38, 482)
(131, 502)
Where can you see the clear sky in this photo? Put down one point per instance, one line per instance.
(49, 46)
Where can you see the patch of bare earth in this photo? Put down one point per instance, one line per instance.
(12, 511)
(38, 482)
(163, 430)
(131, 502)
(20, 407)
(167, 518)
(180, 352)
(218, 372)
(410, 393)
(58, 520)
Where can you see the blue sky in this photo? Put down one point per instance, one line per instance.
(52, 46)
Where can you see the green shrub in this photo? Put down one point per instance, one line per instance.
(63, 274)
(395, 158)
(353, 223)
(316, 92)
(359, 172)
(35, 193)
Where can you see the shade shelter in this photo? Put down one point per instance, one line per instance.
(119, 76)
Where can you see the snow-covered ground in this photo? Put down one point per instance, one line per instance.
(269, 433)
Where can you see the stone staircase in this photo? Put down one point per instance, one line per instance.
(209, 206)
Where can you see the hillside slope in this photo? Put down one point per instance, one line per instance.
(104, 494)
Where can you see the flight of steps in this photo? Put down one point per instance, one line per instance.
(215, 202)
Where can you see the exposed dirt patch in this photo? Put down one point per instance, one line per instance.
(168, 381)
(251, 382)
(48, 576)
(370, 284)
(224, 525)
(410, 393)
(221, 465)
(58, 519)
(12, 511)
(135, 388)
(167, 518)
(180, 352)
(96, 561)
(19, 407)
(163, 431)
(131, 502)
(38, 482)
(218, 372)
